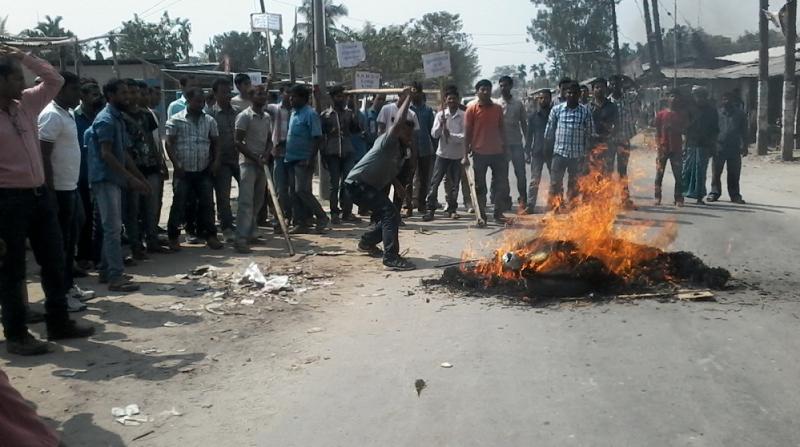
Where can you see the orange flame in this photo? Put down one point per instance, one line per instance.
(591, 228)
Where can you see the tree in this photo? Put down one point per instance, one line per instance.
(3, 22)
(303, 47)
(503, 70)
(522, 74)
(576, 36)
(167, 39)
(51, 27)
(98, 48)
(241, 49)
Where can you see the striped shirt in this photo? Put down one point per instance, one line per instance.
(193, 140)
(569, 130)
(627, 118)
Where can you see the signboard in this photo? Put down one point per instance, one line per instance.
(365, 79)
(265, 22)
(436, 64)
(350, 54)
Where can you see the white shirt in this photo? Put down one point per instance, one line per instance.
(453, 148)
(57, 126)
(388, 114)
(513, 113)
(280, 119)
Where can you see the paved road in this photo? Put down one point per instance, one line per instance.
(612, 375)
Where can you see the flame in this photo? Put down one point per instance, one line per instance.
(589, 230)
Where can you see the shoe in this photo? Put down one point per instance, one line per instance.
(75, 305)
(738, 201)
(712, 198)
(499, 218)
(351, 218)
(335, 219)
(156, 248)
(453, 215)
(174, 245)
(256, 241)
(530, 210)
(402, 223)
(277, 229)
(27, 345)
(408, 213)
(657, 201)
(241, 247)
(161, 230)
(192, 239)
(78, 272)
(364, 212)
(67, 329)
(470, 210)
(139, 255)
(300, 229)
(679, 203)
(229, 236)
(84, 265)
(103, 280)
(80, 294)
(122, 285)
(628, 204)
(371, 250)
(323, 224)
(700, 202)
(129, 262)
(214, 243)
(33, 316)
(398, 264)
(427, 217)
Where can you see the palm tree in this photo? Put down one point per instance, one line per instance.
(184, 34)
(302, 48)
(98, 48)
(3, 29)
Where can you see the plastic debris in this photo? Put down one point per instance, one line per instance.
(247, 301)
(172, 324)
(202, 270)
(128, 410)
(332, 253)
(446, 365)
(314, 330)
(419, 385)
(177, 306)
(275, 283)
(69, 372)
(252, 274)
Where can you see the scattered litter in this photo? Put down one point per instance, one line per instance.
(202, 270)
(275, 283)
(186, 369)
(446, 365)
(172, 324)
(699, 295)
(314, 330)
(300, 290)
(181, 350)
(151, 351)
(169, 413)
(219, 294)
(312, 359)
(177, 306)
(420, 385)
(145, 434)
(129, 410)
(165, 288)
(247, 301)
(332, 253)
(206, 405)
(292, 301)
(252, 274)
(69, 372)
(212, 308)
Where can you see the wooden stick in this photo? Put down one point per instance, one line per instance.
(475, 203)
(278, 210)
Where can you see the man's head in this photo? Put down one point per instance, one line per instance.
(210, 99)
(12, 80)
(406, 134)
(483, 90)
(544, 98)
(187, 82)
(222, 92)
(243, 84)
(673, 98)
(155, 96)
(615, 85)
(417, 94)
(506, 84)
(134, 94)
(562, 85)
(700, 93)
(600, 88)
(195, 100)
(285, 96)
(116, 93)
(91, 97)
(338, 97)
(70, 94)
(584, 90)
(451, 97)
(729, 99)
(379, 101)
(299, 96)
(572, 93)
(144, 94)
(259, 95)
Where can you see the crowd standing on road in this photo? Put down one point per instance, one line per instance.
(83, 168)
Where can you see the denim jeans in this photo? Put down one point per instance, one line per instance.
(499, 166)
(222, 189)
(306, 204)
(385, 218)
(86, 224)
(68, 206)
(445, 167)
(30, 214)
(283, 187)
(338, 169)
(676, 161)
(251, 197)
(575, 167)
(538, 161)
(108, 198)
(193, 185)
(518, 163)
(419, 180)
(141, 216)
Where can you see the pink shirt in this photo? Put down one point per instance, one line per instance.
(19, 424)
(20, 154)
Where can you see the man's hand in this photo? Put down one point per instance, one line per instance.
(7, 50)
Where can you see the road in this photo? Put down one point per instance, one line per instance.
(338, 369)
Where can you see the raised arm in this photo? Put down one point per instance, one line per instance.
(36, 98)
(402, 115)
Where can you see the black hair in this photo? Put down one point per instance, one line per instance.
(416, 85)
(7, 65)
(220, 82)
(571, 85)
(599, 81)
(112, 87)
(131, 82)
(240, 79)
(451, 90)
(143, 85)
(70, 78)
(192, 92)
(301, 91)
(336, 90)
(183, 80)
(483, 83)
(86, 87)
(583, 86)
(564, 81)
(506, 79)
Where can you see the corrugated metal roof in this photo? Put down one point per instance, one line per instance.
(749, 57)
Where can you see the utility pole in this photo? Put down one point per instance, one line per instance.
(674, 44)
(762, 133)
(617, 56)
(319, 81)
(789, 87)
(657, 25)
(651, 47)
(269, 47)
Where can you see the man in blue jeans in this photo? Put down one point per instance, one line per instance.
(338, 157)
(111, 171)
(366, 184)
(280, 114)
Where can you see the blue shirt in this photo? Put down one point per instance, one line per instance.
(304, 126)
(177, 106)
(569, 130)
(108, 126)
(425, 116)
(358, 139)
(372, 126)
(83, 122)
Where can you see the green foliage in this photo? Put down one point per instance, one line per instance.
(241, 48)
(166, 39)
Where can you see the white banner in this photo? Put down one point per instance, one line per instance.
(350, 54)
(365, 79)
(436, 64)
(264, 22)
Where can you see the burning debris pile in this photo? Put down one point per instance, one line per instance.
(586, 250)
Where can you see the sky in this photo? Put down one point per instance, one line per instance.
(498, 27)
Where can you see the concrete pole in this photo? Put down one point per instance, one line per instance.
(789, 94)
(319, 81)
(762, 134)
(617, 56)
(651, 46)
(657, 30)
(269, 47)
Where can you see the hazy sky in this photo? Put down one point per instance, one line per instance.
(497, 26)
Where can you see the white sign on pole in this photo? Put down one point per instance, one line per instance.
(350, 54)
(436, 64)
(365, 79)
(265, 22)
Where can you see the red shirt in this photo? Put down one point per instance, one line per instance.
(19, 424)
(670, 127)
(484, 128)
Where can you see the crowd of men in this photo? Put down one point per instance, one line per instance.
(83, 167)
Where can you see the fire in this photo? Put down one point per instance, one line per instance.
(588, 232)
